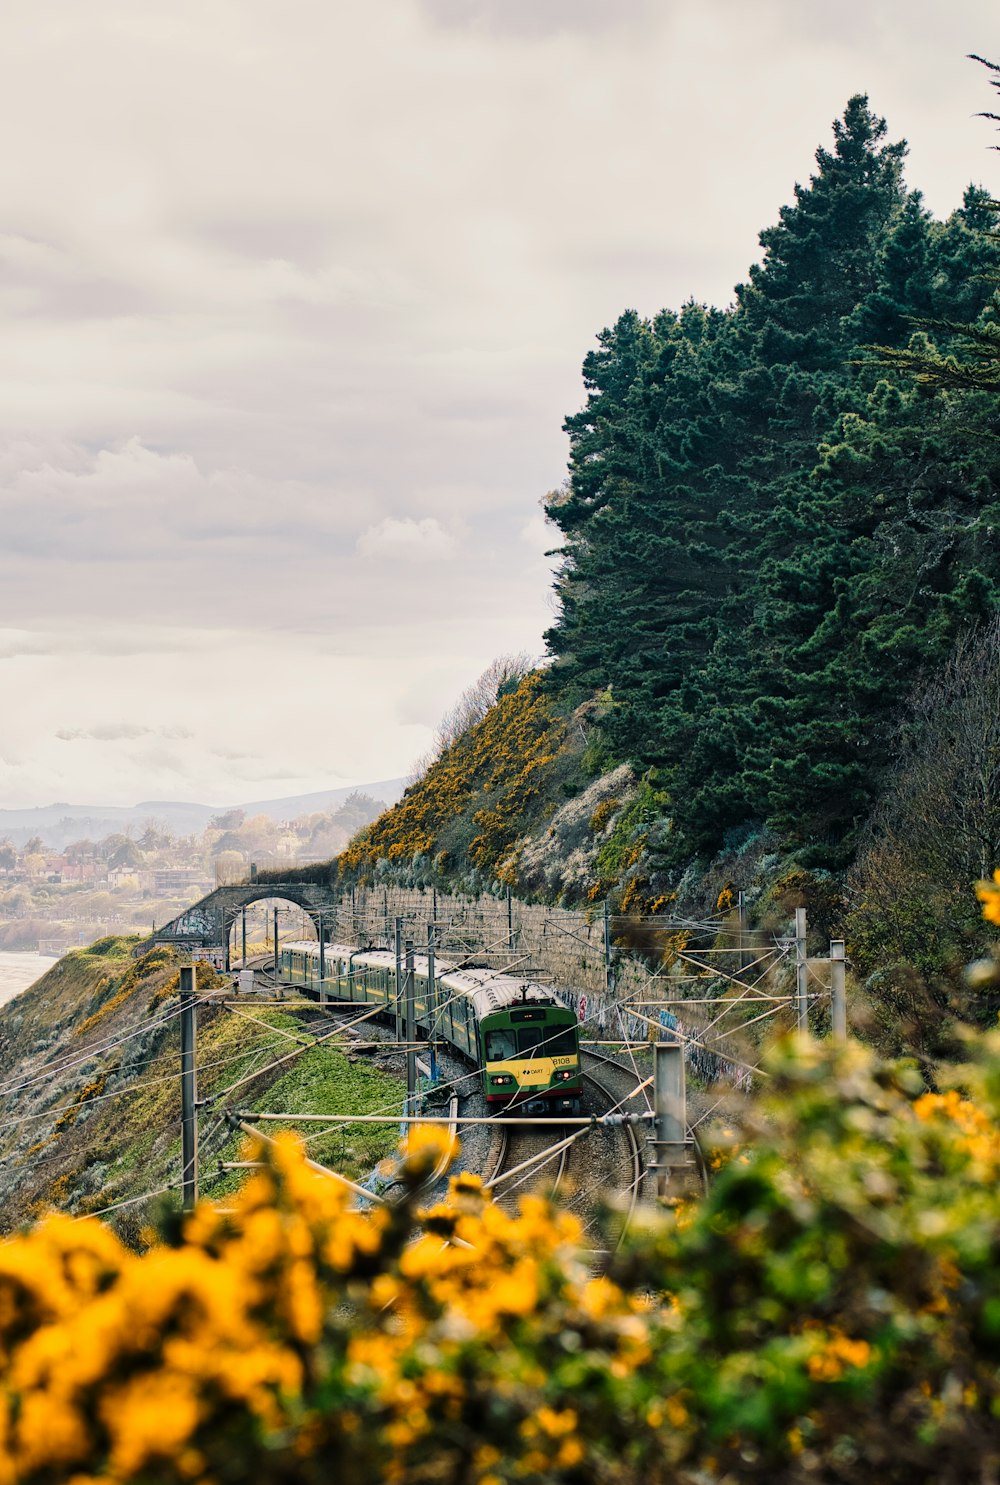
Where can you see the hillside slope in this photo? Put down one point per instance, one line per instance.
(520, 800)
(527, 799)
(92, 1088)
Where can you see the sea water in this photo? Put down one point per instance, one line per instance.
(18, 971)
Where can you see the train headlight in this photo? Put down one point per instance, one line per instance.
(564, 1074)
(500, 1079)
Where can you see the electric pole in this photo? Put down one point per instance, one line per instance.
(189, 1091)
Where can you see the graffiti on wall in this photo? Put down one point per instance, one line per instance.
(194, 923)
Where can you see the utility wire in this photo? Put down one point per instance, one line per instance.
(114, 1093)
(129, 1201)
(296, 1052)
(58, 1069)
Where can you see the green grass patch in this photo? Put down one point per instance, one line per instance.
(323, 1081)
(115, 946)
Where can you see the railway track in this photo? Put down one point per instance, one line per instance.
(629, 1081)
(590, 1170)
(590, 1166)
(525, 1154)
(634, 1165)
(441, 1168)
(584, 1168)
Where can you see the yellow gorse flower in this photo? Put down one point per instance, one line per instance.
(123, 1367)
(988, 892)
(835, 1353)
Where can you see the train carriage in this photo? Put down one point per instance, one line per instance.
(522, 1038)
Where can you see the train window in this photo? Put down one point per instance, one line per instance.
(561, 1042)
(529, 1037)
(500, 1046)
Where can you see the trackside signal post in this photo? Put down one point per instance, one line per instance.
(399, 978)
(838, 990)
(669, 1112)
(411, 1033)
(189, 1091)
(801, 972)
(607, 948)
(432, 1000)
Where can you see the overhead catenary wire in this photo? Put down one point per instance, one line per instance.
(296, 1052)
(93, 1098)
(128, 1201)
(548, 1154)
(373, 1196)
(692, 1041)
(701, 1038)
(51, 1070)
(621, 1022)
(773, 1010)
(80, 1104)
(443, 1087)
(642, 1085)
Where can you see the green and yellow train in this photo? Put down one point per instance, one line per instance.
(517, 1032)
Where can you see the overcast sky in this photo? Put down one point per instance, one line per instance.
(294, 298)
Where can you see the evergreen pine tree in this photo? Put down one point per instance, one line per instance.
(766, 533)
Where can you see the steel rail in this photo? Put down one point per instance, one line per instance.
(638, 1167)
(499, 1158)
(561, 1148)
(444, 1160)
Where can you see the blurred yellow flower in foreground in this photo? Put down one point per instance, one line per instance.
(988, 892)
(294, 1335)
(838, 1276)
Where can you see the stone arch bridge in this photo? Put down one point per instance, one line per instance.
(205, 926)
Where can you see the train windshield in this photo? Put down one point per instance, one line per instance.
(500, 1046)
(548, 1040)
(529, 1037)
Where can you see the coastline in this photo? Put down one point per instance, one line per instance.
(19, 969)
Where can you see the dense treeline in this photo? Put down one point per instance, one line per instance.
(770, 526)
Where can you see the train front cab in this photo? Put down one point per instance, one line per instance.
(531, 1059)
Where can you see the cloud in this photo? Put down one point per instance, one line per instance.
(113, 732)
(130, 502)
(394, 539)
(118, 732)
(95, 642)
(331, 312)
(527, 18)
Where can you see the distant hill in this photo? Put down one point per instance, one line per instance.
(389, 790)
(58, 824)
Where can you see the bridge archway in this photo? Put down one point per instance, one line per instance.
(206, 926)
(242, 925)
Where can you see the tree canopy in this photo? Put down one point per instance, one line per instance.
(769, 527)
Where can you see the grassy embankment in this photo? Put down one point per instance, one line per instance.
(93, 1096)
